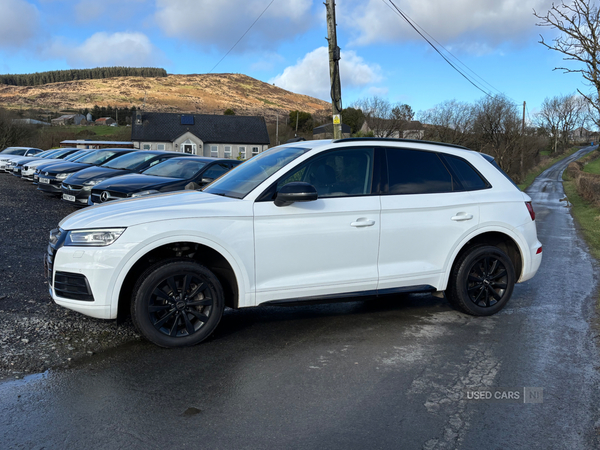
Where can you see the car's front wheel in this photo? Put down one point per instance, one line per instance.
(177, 303)
(481, 281)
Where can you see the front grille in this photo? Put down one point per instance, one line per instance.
(72, 285)
(97, 196)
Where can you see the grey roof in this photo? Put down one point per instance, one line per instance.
(328, 128)
(216, 129)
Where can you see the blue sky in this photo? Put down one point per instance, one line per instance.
(381, 54)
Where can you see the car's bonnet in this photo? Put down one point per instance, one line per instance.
(176, 206)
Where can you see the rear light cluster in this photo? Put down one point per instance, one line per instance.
(530, 209)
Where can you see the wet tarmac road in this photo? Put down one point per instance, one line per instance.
(387, 373)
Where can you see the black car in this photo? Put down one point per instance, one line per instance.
(172, 175)
(16, 167)
(51, 179)
(77, 188)
(32, 170)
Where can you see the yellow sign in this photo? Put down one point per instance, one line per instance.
(337, 119)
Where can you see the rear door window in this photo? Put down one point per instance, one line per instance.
(417, 172)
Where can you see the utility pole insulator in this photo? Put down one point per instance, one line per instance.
(334, 72)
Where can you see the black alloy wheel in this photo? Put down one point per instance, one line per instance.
(177, 303)
(482, 281)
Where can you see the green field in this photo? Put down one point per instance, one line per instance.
(101, 132)
(593, 167)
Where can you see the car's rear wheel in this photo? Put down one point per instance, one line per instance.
(481, 281)
(177, 303)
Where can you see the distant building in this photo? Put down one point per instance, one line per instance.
(30, 122)
(201, 134)
(406, 130)
(326, 131)
(68, 119)
(105, 121)
(86, 143)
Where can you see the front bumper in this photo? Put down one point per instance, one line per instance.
(75, 195)
(49, 184)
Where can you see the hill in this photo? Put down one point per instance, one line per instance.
(205, 94)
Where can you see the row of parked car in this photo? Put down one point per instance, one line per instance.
(84, 177)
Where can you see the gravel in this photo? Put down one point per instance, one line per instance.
(35, 333)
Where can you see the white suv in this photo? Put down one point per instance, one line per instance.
(307, 221)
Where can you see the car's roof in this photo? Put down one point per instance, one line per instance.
(207, 159)
(391, 142)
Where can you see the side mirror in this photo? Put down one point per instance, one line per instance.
(297, 191)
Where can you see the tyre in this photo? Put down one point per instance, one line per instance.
(177, 303)
(481, 281)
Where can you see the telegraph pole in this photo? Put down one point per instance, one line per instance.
(334, 70)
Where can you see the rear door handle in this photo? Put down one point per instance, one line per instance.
(362, 222)
(462, 216)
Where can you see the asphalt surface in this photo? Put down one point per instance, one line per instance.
(389, 373)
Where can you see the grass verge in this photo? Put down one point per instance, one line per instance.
(587, 216)
(537, 170)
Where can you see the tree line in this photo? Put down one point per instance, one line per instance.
(55, 76)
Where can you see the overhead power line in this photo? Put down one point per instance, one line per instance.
(414, 26)
(241, 37)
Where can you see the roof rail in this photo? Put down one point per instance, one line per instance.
(414, 141)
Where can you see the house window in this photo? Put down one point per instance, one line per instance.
(214, 151)
(160, 146)
(146, 147)
(242, 151)
(254, 151)
(227, 153)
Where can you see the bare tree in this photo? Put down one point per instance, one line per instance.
(449, 122)
(11, 132)
(560, 116)
(383, 118)
(497, 130)
(579, 40)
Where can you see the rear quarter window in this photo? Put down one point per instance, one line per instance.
(468, 179)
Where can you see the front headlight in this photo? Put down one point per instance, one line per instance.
(62, 176)
(95, 238)
(94, 182)
(143, 193)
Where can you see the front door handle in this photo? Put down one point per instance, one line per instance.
(362, 222)
(462, 216)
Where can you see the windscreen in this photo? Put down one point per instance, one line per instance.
(244, 178)
(97, 157)
(129, 160)
(13, 151)
(176, 168)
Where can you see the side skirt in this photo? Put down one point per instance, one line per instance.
(349, 296)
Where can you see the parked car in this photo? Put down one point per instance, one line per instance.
(32, 169)
(15, 167)
(306, 221)
(51, 178)
(171, 175)
(76, 189)
(12, 152)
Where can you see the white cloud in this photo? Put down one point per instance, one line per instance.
(19, 22)
(220, 23)
(88, 10)
(103, 49)
(478, 24)
(310, 76)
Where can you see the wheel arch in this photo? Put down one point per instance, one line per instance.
(213, 257)
(502, 239)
